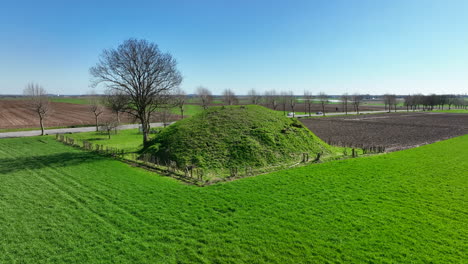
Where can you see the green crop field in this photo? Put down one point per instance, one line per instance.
(60, 205)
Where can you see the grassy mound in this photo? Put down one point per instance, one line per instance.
(233, 137)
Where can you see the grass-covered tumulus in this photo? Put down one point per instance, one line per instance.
(236, 137)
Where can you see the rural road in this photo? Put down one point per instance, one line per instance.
(65, 130)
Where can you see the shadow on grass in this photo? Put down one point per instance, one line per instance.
(11, 165)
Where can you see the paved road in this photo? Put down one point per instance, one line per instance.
(65, 130)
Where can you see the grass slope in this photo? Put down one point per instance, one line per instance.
(225, 137)
(61, 205)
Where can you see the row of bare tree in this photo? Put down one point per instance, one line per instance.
(281, 100)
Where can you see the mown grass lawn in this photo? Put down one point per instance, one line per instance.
(130, 140)
(60, 205)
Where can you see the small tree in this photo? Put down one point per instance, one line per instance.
(323, 99)
(308, 101)
(179, 100)
(284, 100)
(229, 97)
(344, 101)
(254, 97)
(116, 101)
(357, 99)
(272, 99)
(38, 101)
(165, 115)
(109, 125)
(292, 102)
(205, 96)
(95, 107)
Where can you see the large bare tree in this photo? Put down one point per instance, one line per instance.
(38, 101)
(141, 71)
(205, 96)
(229, 97)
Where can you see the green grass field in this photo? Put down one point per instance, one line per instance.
(129, 140)
(61, 205)
(455, 111)
(70, 100)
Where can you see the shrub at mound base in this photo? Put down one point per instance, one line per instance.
(228, 137)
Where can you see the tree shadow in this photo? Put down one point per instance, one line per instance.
(11, 165)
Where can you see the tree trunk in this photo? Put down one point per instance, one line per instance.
(145, 126)
(97, 128)
(182, 112)
(323, 109)
(41, 120)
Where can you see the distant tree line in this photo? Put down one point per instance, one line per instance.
(433, 101)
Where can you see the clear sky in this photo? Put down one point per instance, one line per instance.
(397, 46)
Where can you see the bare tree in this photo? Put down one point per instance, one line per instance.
(95, 107)
(165, 114)
(451, 99)
(272, 99)
(109, 125)
(323, 99)
(254, 97)
(116, 101)
(142, 72)
(292, 102)
(357, 99)
(389, 100)
(179, 100)
(284, 100)
(229, 97)
(38, 101)
(205, 96)
(308, 101)
(344, 101)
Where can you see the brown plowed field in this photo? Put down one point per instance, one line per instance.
(394, 131)
(18, 114)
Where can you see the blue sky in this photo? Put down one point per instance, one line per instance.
(407, 46)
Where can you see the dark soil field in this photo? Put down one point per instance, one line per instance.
(394, 131)
(18, 114)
